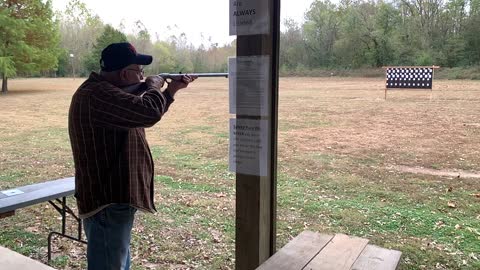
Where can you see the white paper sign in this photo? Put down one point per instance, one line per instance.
(248, 85)
(12, 192)
(249, 147)
(249, 17)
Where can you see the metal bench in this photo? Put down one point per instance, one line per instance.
(55, 192)
(315, 251)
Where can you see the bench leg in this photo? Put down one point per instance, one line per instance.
(63, 209)
(61, 235)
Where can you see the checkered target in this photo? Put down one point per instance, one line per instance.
(420, 78)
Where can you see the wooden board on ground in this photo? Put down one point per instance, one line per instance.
(315, 251)
(340, 254)
(11, 260)
(298, 252)
(377, 258)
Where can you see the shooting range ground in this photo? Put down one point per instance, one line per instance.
(403, 172)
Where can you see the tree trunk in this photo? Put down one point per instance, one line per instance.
(4, 84)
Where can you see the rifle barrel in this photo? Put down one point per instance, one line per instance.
(169, 75)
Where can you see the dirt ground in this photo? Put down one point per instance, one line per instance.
(342, 129)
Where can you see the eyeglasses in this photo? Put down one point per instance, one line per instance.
(139, 71)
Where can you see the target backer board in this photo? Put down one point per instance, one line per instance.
(412, 77)
(409, 77)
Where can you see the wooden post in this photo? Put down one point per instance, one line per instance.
(255, 233)
(386, 80)
(433, 75)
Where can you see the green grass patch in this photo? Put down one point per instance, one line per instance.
(21, 241)
(183, 185)
(356, 207)
(12, 175)
(60, 261)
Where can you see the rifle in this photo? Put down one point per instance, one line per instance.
(141, 87)
(178, 76)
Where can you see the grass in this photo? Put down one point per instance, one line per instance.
(339, 143)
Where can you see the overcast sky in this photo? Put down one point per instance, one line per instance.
(194, 17)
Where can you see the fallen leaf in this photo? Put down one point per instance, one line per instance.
(451, 205)
(216, 235)
(151, 266)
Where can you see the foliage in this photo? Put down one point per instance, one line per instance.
(109, 35)
(360, 33)
(28, 38)
(292, 46)
(7, 66)
(340, 35)
(321, 31)
(79, 29)
(84, 36)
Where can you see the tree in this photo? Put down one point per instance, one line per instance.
(355, 45)
(15, 31)
(29, 38)
(109, 35)
(141, 38)
(182, 53)
(472, 38)
(80, 29)
(321, 31)
(163, 60)
(292, 46)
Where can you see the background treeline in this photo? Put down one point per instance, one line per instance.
(346, 37)
(359, 34)
(356, 34)
(83, 35)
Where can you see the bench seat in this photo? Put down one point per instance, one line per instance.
(315, 251)
(54, 192)
(36, 193)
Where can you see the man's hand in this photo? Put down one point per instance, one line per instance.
(155, 81)
(175, 85)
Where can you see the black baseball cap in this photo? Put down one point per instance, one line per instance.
(119, 55)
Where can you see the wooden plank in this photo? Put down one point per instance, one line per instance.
(377, 258)
(340, 253)
(7, 214)
(298, 252)
(12, 260)
(37, 193)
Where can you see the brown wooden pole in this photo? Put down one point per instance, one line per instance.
(386, 79)
(255, 233)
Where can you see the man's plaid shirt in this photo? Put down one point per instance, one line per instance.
(113, 163)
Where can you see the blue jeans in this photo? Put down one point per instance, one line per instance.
(108, 235)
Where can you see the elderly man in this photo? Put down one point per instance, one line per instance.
(113, 163)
